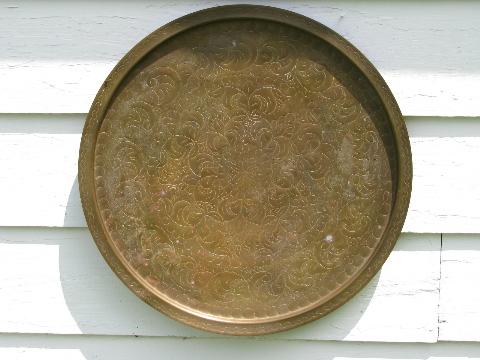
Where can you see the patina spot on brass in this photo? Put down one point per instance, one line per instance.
(244, 173)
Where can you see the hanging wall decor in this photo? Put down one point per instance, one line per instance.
(245, 170)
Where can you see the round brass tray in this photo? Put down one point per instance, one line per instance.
(245, 170)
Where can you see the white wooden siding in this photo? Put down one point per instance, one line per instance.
(428, 53)
(67, 288)
(42, 347)
(43, 190)
(59, 299)
(459, 317)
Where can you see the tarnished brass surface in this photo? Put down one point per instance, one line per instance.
(245, 170)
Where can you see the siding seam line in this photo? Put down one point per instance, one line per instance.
(439, 288)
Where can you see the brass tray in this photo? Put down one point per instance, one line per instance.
(245, 170)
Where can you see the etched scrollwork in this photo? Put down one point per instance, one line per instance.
(239, 173)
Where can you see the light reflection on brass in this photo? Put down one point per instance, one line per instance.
(245, 170)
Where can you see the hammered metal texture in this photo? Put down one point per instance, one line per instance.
(244, 172)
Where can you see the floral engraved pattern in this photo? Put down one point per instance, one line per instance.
(238, 175)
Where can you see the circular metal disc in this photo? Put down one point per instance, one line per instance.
(245, 170)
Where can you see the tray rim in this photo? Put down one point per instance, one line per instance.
(101, 102)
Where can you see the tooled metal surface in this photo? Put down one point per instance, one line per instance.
(245, 170)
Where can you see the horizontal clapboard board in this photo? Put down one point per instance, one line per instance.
(54, 58)
(55, 281)
(39, 187)
(48, 347)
